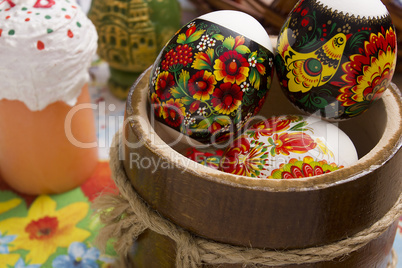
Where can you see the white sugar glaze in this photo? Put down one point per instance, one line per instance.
(46, 48)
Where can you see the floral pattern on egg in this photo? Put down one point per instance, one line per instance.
(284, 147)
(209, 80)
(307, 167)
(334, 65)
(206, 157)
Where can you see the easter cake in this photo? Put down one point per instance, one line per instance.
(47, 138)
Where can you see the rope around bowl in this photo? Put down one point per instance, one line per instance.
(126, 216)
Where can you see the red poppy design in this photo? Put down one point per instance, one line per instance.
(230, 162)
(191, 30)
(214, 127)
(297, 8)
(173, 112)
(369, 73)
(270, 126)
(231, 67)
(156, 104)
(296, 172)
(201, 85)
(164, 83)
(303, 169)
(239, 40)
(305, 22)
(296, 142)
(227, 98)
(194, 106)
(210, 159)
(242, 159)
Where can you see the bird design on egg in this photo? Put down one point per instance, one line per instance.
(313, 69)
(333, 59)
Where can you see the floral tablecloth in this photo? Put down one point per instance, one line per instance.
(53, 230)
(59, 230)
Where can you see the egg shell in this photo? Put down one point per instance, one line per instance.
(334, 59)
(212, 76)
(287, 147)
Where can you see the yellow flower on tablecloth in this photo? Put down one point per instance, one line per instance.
(10, 204)
(9, 260)
(45, 228)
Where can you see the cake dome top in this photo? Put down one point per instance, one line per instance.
(46, 47)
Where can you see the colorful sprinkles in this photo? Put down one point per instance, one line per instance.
(40, 44)
(70, 33)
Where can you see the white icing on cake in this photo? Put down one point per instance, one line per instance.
(46, 47)
(362, 8)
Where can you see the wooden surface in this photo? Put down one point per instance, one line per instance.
(273, 214)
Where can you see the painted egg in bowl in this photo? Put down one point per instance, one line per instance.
(335, 59)
(212, 76)
(287, 147)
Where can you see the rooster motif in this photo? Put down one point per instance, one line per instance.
(313, 69)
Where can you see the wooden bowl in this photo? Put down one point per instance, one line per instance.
(267, 213)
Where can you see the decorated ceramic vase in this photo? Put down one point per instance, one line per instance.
(212, 76)
(131, 34)
(336, 58)
(288, 147)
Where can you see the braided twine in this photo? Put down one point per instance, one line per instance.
(131, 216)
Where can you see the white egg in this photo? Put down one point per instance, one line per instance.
(289, 146)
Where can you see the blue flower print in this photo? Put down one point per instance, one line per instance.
(21, 264)
(79, 256)
(4, 241)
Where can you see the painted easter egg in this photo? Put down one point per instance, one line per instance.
(336, 58)
(289, 146)
(208, 157)
(212, 76)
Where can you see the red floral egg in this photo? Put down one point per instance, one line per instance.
(206, 157)
(288, 147)
(212, 77)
